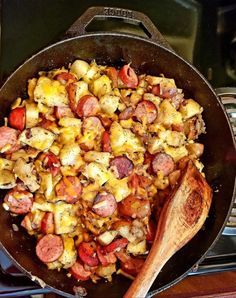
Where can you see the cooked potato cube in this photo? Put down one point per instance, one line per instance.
(37, 137)
(69, 154)
(168, 115)
(97, 172)
(79, 68)
(190, 108)
(50, 93)
(101, 86)
(107, 237)
(100, 157)
(109, 103)
(64, 218)
(68, 257)
(137, 248)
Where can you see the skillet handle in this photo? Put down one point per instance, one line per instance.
(124, 15)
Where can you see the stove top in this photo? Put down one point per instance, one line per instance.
(203, 33)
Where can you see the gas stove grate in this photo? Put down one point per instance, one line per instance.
(228, 98)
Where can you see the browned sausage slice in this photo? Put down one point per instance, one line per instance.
(126, 114)
(122, 165)
(87, 106)
(8, 136)
(104, 204)
(134, 207)
(19, 201)
(163, 162)
(146, 111)
(49, 248)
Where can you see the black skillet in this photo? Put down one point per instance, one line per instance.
(150, 55)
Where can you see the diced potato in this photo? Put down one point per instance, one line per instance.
(31, 86)
(119, 188)
(90, 191)
(168, 115)
(68, 257)
(37, 137)
(176, 153)
(69, 134)
(47, 207)
(92, 73)
(155, 144)
(106, 271)
(107, 237)
(46, 184)
(69, 154)
(7, 179)
(123, 140)
(32, 114)
(190, 108)
(6, 164)
(137, 248)
(172, 138)
(100, 157)
(81, 90)
(97, 172)
(27, 154)
(69, 121)
(54, 265)
(109, 103)
(79, 68)
(24, 171)
(101, 86)
(64, 218)
(50, 93)
(164, 82)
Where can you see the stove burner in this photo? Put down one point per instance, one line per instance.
(228, 98)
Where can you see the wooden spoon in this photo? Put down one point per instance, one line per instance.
(182, 217)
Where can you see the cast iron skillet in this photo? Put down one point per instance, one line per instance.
(148, 55)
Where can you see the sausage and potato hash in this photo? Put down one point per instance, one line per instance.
(90, 158)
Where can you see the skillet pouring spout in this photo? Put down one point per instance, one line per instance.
(182, 217)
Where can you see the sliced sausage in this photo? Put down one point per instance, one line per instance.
(122, 165)
(116, 245)
(105, 257)
(65, 77)
(8, 136)
(106, 143)
(47, 223)
(104, 204)
(87, 106)
(106, 121)
(151, 231)
(146, 111)
(164, 92)
(49, 248)
(133, 266)
(17, 118)
(128, 76)
(71, 90)
(69, 189)
(87, 253)
(78, 271)
(92, 123)
(163, 162)
(134, 207)
(126, 114)
(50, 162)
(112, 73)
(19, 201)
(61, 112)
